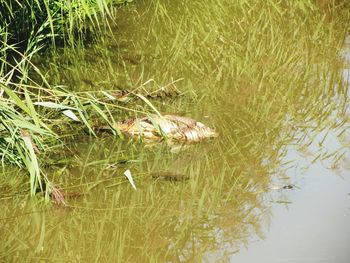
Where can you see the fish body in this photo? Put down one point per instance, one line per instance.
(169, 126)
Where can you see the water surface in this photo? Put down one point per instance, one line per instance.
(273, 79)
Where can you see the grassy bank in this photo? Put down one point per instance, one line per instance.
(30, 107)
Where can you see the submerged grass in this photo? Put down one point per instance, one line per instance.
(32, 117)
(266, 74)
(27, 27)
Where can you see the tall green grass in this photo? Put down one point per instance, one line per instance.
(34, 22)
(26, 29)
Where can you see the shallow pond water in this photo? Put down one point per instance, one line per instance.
(271, 78)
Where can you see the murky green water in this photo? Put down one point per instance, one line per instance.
(273, 79)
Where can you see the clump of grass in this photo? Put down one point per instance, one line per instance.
(33, 116)
(31, 23)
(26, 27)
(30, 114)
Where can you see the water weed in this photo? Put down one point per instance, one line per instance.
(266, 75)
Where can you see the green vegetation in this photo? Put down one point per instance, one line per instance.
(28, 29)
(254, 56)
(266, 74)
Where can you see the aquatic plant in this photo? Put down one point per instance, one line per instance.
(266, 74)
(33, 117)
(26, 27)
(31, 23)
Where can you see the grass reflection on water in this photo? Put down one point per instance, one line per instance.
(266, 75)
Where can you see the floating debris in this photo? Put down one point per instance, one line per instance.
(169, 176)
(128, 175)
(287, 186)
(57, 195)
(167, 126)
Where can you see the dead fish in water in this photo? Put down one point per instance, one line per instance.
(169, 126)
(169, 176)
(287, 186)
